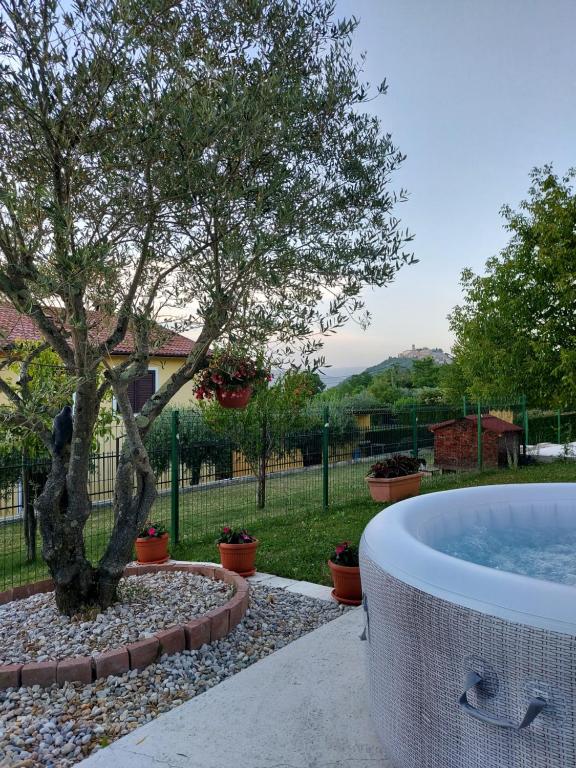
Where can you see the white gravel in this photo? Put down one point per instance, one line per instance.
(57, 727)
(33, 630)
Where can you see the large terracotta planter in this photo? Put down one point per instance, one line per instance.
(240, 558)
(152, 549)
(234, 398)
(347, 585)
(394, 488)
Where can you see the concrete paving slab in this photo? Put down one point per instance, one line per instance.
(308, 588)
(260, 578)
(279, 582)
(304, 706)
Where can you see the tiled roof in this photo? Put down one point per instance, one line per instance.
(165, 343)
(489, 423)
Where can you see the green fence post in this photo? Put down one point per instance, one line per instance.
(479, 428)
(175, 479)
(325, 445)
(559, 427)
(525, 419)
(464, 406)
(414, 417)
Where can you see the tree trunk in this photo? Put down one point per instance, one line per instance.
(28, 511)
(63, 543)
(262, 465)
(131, 509)
(64, 506)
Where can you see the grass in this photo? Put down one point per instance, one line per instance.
(297, 536)
(297, 545)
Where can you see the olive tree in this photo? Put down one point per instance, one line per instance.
(206, 159)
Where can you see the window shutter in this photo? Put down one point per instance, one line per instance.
(140, 390)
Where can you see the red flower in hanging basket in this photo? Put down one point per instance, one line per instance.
(231, 377)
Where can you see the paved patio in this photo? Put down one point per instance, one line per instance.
(304, 706)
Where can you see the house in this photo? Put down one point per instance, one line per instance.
(169, 349)
(456, 442)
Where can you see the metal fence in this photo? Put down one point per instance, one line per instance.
(207, 479)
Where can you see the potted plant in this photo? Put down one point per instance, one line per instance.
(346, 574)
(231, 377)
(395, 478)
(152, 544)
(237, 551)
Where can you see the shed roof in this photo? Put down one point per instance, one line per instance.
(16, 327)
(489, 423)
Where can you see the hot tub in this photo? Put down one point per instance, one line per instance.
(469, 666)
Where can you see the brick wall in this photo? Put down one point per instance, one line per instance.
(456, 446)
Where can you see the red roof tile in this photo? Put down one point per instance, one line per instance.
(489, 423)
(165, 343)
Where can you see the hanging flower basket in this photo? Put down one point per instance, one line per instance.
(234, 398)
(231, 377)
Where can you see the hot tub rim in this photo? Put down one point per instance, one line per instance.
(388, 540)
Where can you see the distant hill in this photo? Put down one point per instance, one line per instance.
(334, 375)
(405, 360)
(402, 363)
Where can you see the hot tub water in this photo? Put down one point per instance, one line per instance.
(541, 554)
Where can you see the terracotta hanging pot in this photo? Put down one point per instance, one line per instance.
(234, 398)
(347, 585)
(240, 558)
(152, 549)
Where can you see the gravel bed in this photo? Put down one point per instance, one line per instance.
(57, 727)
(148, 603)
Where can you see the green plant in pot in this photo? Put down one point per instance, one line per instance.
(345, 570)
(237, 551)
(152, 544)
(395, 478)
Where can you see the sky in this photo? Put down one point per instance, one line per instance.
(480, 92)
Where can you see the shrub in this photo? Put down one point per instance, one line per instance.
(396, 466)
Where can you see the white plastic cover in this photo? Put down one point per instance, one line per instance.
(401, 540)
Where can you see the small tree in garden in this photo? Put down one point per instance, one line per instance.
(262, 430)
(210, 158)
(198, 444)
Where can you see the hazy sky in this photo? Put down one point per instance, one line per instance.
(480, 91)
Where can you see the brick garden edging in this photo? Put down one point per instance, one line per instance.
(207, 628)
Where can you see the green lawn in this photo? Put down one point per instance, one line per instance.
(298, 544)
(297, 536)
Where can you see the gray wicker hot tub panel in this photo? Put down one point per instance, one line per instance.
(419, 650)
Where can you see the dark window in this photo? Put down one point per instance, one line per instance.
(141, 389)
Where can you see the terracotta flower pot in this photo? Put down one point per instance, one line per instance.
(234, 398)
(347, 585)
(152, 549)
(239, 558)
(394, 488)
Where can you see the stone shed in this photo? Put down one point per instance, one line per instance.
(456, 442)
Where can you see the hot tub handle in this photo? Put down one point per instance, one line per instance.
(473, 679)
